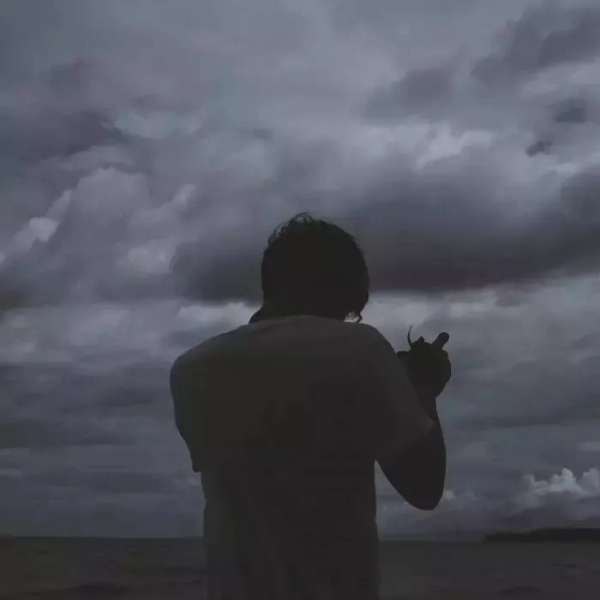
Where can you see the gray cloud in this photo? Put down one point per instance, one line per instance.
(417, 91)
(542, 146)
(118, 481)
(43, 432)
(571, 110)
(544, 37)
(430, 229)
(458, 257)
(473, 244)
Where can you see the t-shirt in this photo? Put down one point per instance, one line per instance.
(284, 419)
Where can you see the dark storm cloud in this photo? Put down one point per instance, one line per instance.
(231, 276)
(433, 229)
(539, 147)
(47, 433)
(62, 406)
(442, 232)
(473, 246)
(544, 37)
(118, 481)
(54, 136)
(418, 90)
(147, 151)
(571, 110)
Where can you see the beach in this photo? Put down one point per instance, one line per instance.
(149, 569)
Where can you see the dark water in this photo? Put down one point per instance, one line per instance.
(47, 568)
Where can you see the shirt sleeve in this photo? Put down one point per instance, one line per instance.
(391, 413)
(188, 410)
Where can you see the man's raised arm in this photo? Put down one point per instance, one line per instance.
(418, 473)
(402, 420)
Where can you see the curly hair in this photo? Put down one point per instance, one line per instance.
(316, 266)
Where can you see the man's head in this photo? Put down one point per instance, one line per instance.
(316, 267)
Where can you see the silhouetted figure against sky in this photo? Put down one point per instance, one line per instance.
(285, 417)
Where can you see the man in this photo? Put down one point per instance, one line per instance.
(285, 417)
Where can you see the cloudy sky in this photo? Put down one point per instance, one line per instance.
(147, 149)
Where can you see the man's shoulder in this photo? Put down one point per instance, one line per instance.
(365, 330)
(194, 355)
(181, 365)
(358, 341)
(320, 329)
(369, 346)
(368, 335)
(348, 337)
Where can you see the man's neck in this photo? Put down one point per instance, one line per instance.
(274, 310)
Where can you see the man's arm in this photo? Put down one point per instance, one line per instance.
(418, 473)
(402, 420)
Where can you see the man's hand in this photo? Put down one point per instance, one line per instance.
(428, 365)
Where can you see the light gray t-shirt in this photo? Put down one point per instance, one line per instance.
(285, 418)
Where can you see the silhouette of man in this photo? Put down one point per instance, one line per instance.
(285, 417)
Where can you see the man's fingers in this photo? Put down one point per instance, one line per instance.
(440, 341)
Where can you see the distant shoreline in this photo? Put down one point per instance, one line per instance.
(574, 535)
(559, 535)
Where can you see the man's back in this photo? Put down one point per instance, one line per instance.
(285, 419)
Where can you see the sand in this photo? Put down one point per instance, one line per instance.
(145, 569)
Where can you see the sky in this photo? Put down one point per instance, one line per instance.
(148, 149)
